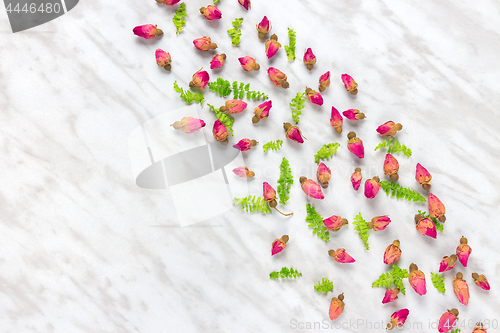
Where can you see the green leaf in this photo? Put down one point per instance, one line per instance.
(395, 275)
(273, 145)
(178, 19)
(224, 88)
(326, 152)
(216, 2)
(456, 330)
(297, 104)
(223, 117)
(400, 192)
(316, 222)
(362, 229)
(438, 282)
(290, 49)
(384, 280)
(252, 204)
(324, 286)
(235, 32)
(394, 147)
(187, 95)
(285, 182)
(439, 225)
(285, 273)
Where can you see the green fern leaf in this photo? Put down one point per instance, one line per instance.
(252, 204)
(324, 286)
(285, 182)
(235, 32)
(438, 282)
(395, 190)
(394, 147)
(272, 145)
(326, 152)
(290, 49)
(316, 222)
(362, 229)
(187, 95)
(297, 104)
(285, 273)
(178, 19)
(224, 88)
(395, 275)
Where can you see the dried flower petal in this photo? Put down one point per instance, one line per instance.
(314, 96)
(204, 44)
(163, 59)
(147, 31)
(217, 61)
(293, 133)
(323, 174)
(269, 192)
(389, 128)
(335, 222)
(211, 13)
(398, 319)
(447, 263)
(311, 188)
(481, 281)
(353, 114)
(341, 256)
(245, 3)
(277, 77)
(436, 208)
(336, 120)
(356, 179)
(423, 177)
(168, 2)
(379, 223)
(272, 46)
(245, 144)
(220, 131)
(200, 79)
(336, 307)
(243, 172)
(461, 289)
(324, 81)
(233, 106)
(391, 167)
(417, 280)
(262, 111)
(263, 27)
(309, 59)
(189, 124)
(479, 328)
(355, 145)
(426, 227)
(279, 245)
(448, 320)
(390, 295)
(248, 63)
(392, 253)
(349, 83)
(372, 187)
(463, 251)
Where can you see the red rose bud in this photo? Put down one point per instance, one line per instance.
(398, 319)
(189, 124)
(163, 59)
(243, 172)
(417, 280)
(423, 177)
(479, 328)
(355, 145)
(436, 208)
(349, 83)
(262, 111)
(168, 2)
(270, 197)
(293, 133)
(324, 81)
(277, 77)
(447, 263)
(341, 256)
(248, 63)
(379, 223)
(272, 46)
(311, 188)
(147, 31)
(448, 321)
(335, 222)
(245, 144)
(461, 289)
(245, 3)
(389, 128)
(323, 174)
(200, 79)
(390, 295)
(309, 59)
(425, 226)
(336, 120)
(463, 251)
(204, 44)
(217, 61)
(391, 167)
(481, 281)
(211, 13)
(220, 132)
(371, 187)
(356, 179)
(279, 245)
(314, 96)
(353, 114)
(392, 253)
(263, 27)
(233, 106)
(336, 307)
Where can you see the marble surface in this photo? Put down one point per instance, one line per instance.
(84, 249)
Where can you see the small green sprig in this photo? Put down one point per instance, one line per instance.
(187, 95)
(438, 282)
(439, 226)
(395, 275)
(223, 117)
(456, 330)
(324, 286)
(395, 190)
(216, 2)
(362, 229)
(326, 152)
(316, 222)
(285, 182)
(297, 104)
(178, 19)
(285, 273)
(394, 147)
(224, 88)
(252, 204)
(290, 49)
(272, 145)
(235, 32)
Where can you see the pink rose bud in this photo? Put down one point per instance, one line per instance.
(189, 124)
(245, 144)
(263, 27)
(314, 96)
(335, 222)
(355, 145)
(277, 77)
(243, 172)
(163, 59)
(447, 263)
(336, 120)
(425, 226)
(293, 133)
(204, 44)
(481, 281)
(200, 79)
(461, 289)
(349, 83)
(336, 307)
(220, 132)
(168, 2)
(270, 197)
(279, 245)
(217, 61)
(423, 177)
(448, 321)
(147, 31)
(233, 106)
(356, 179)
(463, 251)
(262, 111)
(272, 46)
(309, 59)
(436, 208)
(371, 187)
(392, 253)
(379, 223)
(211, 13)
(353, 114)
(391, 167)
(479, 328)
(389, 128)
(248, 63)
(323, 174)
(341, 256)
(311, 188)
(390, 295)
(245, 3)
(324, 81)
(398, 319)
(417, 280)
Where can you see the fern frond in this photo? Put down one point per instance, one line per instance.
(224, 88)
(252, 204)
(384, 280)
(221, 87)
(395, 275)
(326, 152)
(324, 286)
(285, 182)
(216, 2)
(438, 282)
(187, 95)
(290, 49)
(395, 190)
(285, 273)
(272, 145)
(223, 117)
(297, 104)
(178, 19)
(456, 330)
(362, 229)
(394, 147)
(235, 32)
(439, 226)
(316, 222)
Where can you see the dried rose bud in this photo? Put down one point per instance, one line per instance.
(243, 172)
(262, 111)
(323, 174)
(353, 114)
(311, 188)
(279, 245)
(309, 59)
(389, 128)
(277, 77)
(233, 106)
(436, 208)
(349, 83)
(200, 79)
(417, 280)
(425, 226)
(479, 328)
(147, 31)
(168, 2)
(391, 167)
(163, 59)
(398, 319)
(423, 177)
(245, 144)
(461, 289)
(314, 96)
(341, 256)
(211, 12)
(336, 307)
(245, 3)
(248, 63)
(264, 27)
(390, 295)
(272, 46)
(355, 145)
(324, 81)
(463, 251)
(371, 187)
(220, 132)
(189, 124)
(336, 120)
(204, 44)
(293, 133)
(481, 281)
(356, 179)
(447, 263)
(448, 321)
(379, 223)
(335, 222)
(270, 197)
(392, 253)
(217, 61)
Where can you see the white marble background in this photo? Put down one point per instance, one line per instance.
(83, 249)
